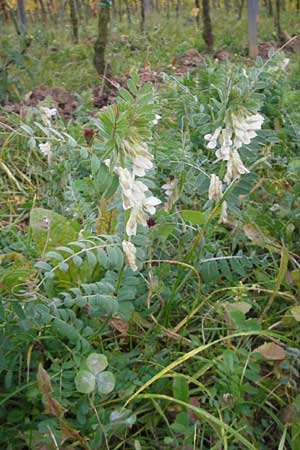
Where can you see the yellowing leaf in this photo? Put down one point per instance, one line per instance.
(295, 311)
(271, 351)
(238, 306)
(106, 218)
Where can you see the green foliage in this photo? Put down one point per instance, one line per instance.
(163, 357)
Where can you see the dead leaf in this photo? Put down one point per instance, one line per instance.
(43, 380)
(258, 238)
(271, 351)
(52, 406)
(288, 414)
(119, 324)
(194, 401)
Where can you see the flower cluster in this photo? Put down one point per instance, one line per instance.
(136, 197)
(239, 130)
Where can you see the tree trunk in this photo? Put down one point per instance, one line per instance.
(227, 5)
(147, 8)
(50, 11)
(101, 42)
(252, 14)
(280, 35)
(197, 18)
(43, 11)
(177, 8)
(142, 16)
(87, 10)
(4, 10)
(79, 10)
(21, 15)
(241, 7)
(128, 11)
(14, 20)
(74, 21)
(270, 8)
(207, 30)
(120, 12)
(61, 12)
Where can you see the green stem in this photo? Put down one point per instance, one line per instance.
(99, 421)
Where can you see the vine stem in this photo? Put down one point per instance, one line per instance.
(99, 421)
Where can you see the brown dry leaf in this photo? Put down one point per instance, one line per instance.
(43, 380)
(271, 351)
(288, 414)
(265, 47)
(221, 55)
(194, 401)
(119, 324)
(256, 236)
(70, 433)
(52, 406)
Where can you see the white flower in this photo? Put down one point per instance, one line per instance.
(156, 119)
(244, 127)
(45, 148)
(137, 216)
(215, 188)
(134, 198)
(212, 138)
(134, 149)
(132, 190)
(140, 156)
(140, 165)
(149, 204)
(226, 143)
(130, 254)
(49, 112)
(169, 187)
(224, 215)
(171, 191)
(254, 121)
(235, 167)
(284, 63)
(275, 207)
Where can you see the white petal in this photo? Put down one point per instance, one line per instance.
(130, 254)
(212, 144)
